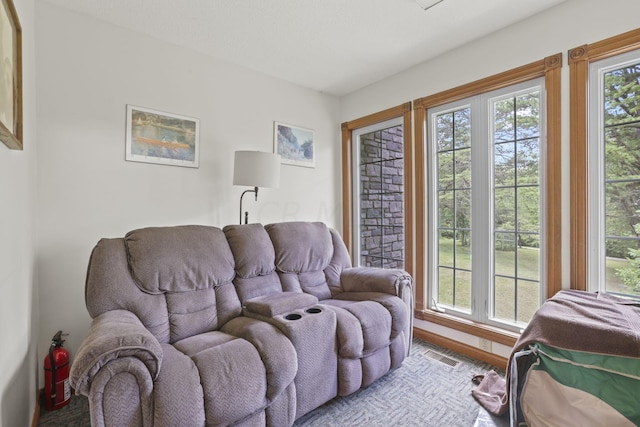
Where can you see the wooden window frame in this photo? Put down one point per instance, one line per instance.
(404, 111)
(579, 60)
(550, 69)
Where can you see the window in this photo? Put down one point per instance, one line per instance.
(488, 221)
(605, 189)
(614, 165)
(377, 164)
(451, 160)
(485, 154)
(518, 144)
(379, 186)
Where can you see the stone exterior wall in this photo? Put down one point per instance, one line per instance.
(382, 198)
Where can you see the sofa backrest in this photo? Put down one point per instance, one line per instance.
(185, 280)
(177, 280)
(286, 257)
(309, 256)
(255, 261)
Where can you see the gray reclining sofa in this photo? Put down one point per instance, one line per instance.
(249, 325)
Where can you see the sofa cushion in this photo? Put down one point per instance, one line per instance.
(110, 287)
(364, 327)
(252, 250)
(192, 313)
(301, 246)
(276, 351)
(254, 261)
(394, 305)
(179, 259)
(363, 332)
(178, 395)
(375, 322)
(232, 375)
(303, 251)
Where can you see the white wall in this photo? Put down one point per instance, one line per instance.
(569, 25)
(18, 291)
(88, 72)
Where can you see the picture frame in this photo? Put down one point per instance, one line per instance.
(294, 144)
(158, 137)
(10, 76)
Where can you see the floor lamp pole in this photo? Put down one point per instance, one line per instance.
(246, 214)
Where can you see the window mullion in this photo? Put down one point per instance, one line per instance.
(481, 209)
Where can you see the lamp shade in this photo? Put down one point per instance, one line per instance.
(256, 169)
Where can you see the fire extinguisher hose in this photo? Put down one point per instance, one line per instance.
(54, 368)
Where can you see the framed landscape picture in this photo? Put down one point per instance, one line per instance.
(162, 138)
(10, 76)
(294, 144)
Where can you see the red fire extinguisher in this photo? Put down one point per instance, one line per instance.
(57, 390)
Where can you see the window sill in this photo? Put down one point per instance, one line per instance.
(480, 330)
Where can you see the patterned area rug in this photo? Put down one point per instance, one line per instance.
(485, 419)
(427, 391)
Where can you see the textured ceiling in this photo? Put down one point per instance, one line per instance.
(333, 46)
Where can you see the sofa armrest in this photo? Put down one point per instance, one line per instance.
(114, 335)
(371, 279)
(273, 305)
(389, 281)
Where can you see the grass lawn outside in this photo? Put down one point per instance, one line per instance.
(527, 281)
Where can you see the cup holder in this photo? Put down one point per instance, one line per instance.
(293, 316)
(313, 310)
